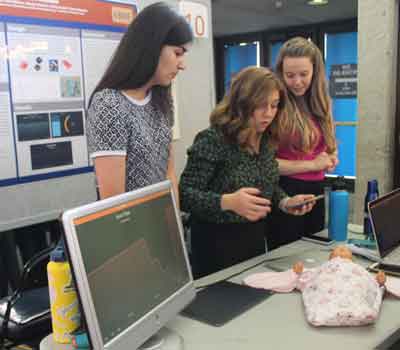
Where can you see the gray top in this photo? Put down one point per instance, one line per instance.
(119, 125)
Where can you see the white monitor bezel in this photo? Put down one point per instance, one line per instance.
(156, 318)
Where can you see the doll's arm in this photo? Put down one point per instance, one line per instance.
(381, 278)
(298, 267)
(281, 282)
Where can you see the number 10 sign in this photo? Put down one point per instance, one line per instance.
(197, 16)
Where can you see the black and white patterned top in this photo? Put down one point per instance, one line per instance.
(119, 125)
(215, 167)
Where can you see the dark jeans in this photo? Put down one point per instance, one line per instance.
(218, 246)
(285, 228)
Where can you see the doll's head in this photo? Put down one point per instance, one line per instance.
(339, 251)
(345, 253)
(342, 252)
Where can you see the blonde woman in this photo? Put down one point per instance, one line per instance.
(230, 181)
(307, 147)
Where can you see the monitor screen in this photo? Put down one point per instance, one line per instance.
(385, 220)
(130, 264)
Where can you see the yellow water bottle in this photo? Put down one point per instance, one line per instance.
(65, 316)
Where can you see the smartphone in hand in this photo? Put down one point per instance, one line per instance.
(299, 205)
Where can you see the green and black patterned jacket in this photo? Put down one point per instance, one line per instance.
(215, 167)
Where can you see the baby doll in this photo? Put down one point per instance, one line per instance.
(337, 293)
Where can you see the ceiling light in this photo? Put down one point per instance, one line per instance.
(317, 2)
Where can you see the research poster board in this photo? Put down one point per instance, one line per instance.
(53, 52)
(7, 151)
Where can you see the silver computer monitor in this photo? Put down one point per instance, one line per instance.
(130, 264)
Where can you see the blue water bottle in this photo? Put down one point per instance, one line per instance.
(338, 210)
(372, 193)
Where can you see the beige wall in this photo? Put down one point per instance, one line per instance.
(377, 72)
(196, 92)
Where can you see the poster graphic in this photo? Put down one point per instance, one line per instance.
(65, 124)
(34, 126)
(45, 65)
(46, 77)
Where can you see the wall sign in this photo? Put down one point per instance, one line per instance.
(197, 16)
(343, 81)
(84, 11)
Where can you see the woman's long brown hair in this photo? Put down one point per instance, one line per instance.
(296, 130)
(249, 89)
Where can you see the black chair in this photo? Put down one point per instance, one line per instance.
(25, 314)
(9, 267)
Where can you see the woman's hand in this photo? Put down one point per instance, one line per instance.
(335, 161)
(324, 161)
(247, 203)
(293, 204)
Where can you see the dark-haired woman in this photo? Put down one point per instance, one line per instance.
(231, 177)
(130, 117)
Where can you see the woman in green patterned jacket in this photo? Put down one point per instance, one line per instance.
(231, 177)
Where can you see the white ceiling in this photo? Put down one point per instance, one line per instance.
(242, 16)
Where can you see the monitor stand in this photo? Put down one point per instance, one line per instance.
(165, 339)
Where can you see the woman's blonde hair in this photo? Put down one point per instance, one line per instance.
(249, 89)
(297, 131)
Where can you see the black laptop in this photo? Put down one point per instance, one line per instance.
(385, 218)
